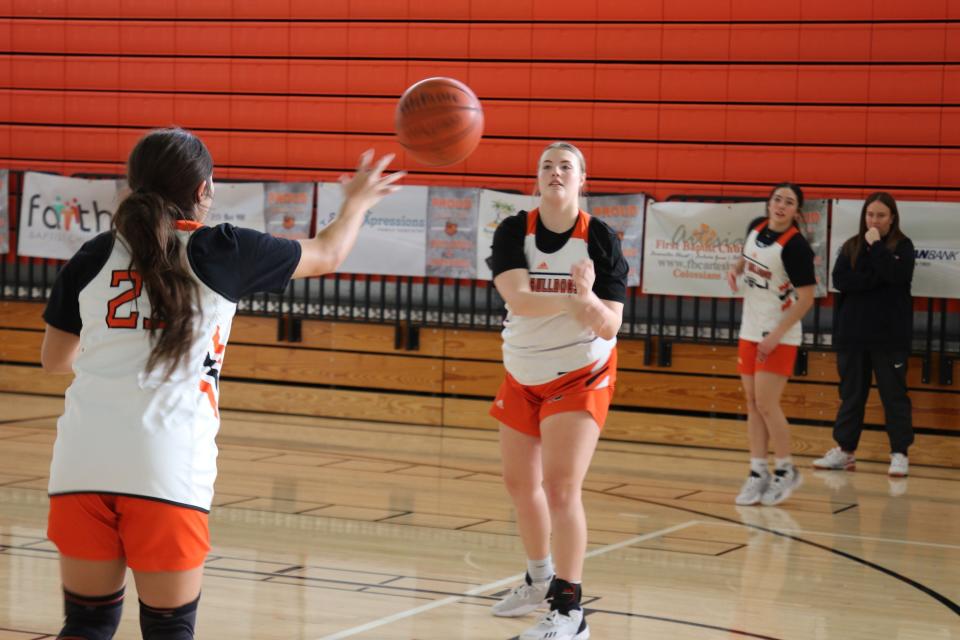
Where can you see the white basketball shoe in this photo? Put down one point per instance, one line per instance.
(523, 599)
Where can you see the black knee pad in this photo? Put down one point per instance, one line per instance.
(168, 624)
(91, 617)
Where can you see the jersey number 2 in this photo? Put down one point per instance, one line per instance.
(115, 321)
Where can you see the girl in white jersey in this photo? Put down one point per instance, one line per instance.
(777, 264)
(563, 277)
(141, 316)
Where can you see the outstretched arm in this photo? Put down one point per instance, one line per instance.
(326, 251)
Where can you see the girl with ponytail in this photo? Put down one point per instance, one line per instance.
(141, 316)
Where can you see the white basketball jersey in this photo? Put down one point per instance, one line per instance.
(128, 431)
(539, 349)
(769, 292)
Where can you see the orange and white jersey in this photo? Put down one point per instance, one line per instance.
(128, 431)
(539, 349)
(769, 258)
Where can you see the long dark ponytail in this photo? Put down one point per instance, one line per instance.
(165, 171)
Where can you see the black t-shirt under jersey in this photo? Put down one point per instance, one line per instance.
(232, 261)
(603, 247)
(797, 255)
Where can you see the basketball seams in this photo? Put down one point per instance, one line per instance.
(439, 121)
(458, 137)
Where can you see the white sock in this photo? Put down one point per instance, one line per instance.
(783, 463)
(540, 570)
(759, 465)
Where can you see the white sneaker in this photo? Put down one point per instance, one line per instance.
(752, 489)
(522, 599)
(559, 626)
(837, 459)
(783, 484)
(899, 465)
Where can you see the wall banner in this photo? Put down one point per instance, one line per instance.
(689, 246)
(4, 218)
(238, 203)
(814, 228)
(932, 226)
(392, 239)
(288, 209)
(495, 206)
(59, 214)
(625, 214)
(452, 232)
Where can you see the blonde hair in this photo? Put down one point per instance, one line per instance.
(565, 146)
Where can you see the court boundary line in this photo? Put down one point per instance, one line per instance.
(786, 531)
(400, 615)
(939, 597)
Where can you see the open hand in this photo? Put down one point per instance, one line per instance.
(368, 185)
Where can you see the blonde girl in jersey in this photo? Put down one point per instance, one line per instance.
(778, 271)
(141, 316)
(563, 277)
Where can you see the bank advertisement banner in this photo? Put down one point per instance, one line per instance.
(624, 213)
(452, 232)
(495, 206)
(393, 237)
(58, 214)
(935, 232)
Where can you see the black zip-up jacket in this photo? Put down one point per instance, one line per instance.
(874, 308)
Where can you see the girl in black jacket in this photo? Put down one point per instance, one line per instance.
(872, 331)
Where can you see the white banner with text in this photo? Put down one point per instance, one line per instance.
(689, 246)
(935, 231)
(393, 238)
(58, 214)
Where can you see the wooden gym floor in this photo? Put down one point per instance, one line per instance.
(327, 529)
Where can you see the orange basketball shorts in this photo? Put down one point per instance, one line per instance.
(151, 535)
(523, 407)
(780, 361)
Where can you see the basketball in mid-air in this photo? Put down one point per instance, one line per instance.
(439, 121)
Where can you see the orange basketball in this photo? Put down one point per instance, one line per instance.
(439, 121)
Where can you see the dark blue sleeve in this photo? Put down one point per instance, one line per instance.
(63, 306)
(236, 262)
